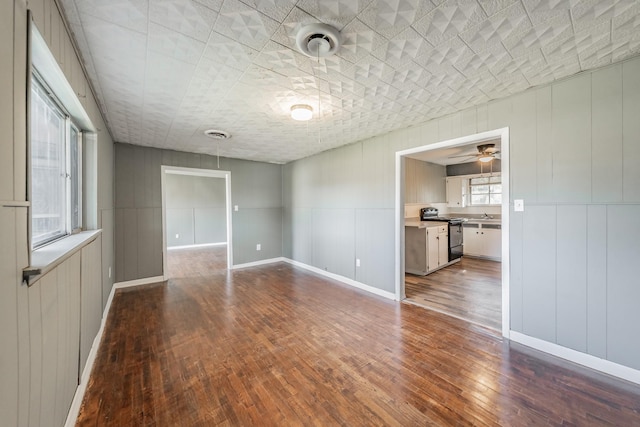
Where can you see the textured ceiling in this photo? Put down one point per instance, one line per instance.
(166, 70)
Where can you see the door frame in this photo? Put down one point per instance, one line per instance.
(503, 134)
(175, 170)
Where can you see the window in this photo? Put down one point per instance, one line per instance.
(485, 190)
(56, 152)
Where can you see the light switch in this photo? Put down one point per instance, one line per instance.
(518, 205)
(235, 208)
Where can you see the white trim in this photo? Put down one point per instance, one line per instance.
(593, 362)
(257, 263)
(138, 282)
(345, 280)
(503, 134)
(200, 245)
(339, 278)
(212, 173)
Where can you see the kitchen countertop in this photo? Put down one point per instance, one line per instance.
(415, 222)
(484, 221)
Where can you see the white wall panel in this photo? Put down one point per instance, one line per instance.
(333, 236)
(623, 287)
(6, 101)
(20, 101)
(538, 272)
(606, 140)
(35, 347)
(8, 316)
(90, 297)
(544, 157)
(522, 128)
(499, 113)
(597, 281)
(631, 130)
(516, 291)
(571, 139)
(302, 241)
(571, 276)
(374, 228)
(49, 315)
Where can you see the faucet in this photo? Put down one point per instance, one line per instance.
(485, 216)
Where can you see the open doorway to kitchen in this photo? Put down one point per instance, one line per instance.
(196, 221)
(452, 217)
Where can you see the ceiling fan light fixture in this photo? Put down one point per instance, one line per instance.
(301, 112)
(486, 158)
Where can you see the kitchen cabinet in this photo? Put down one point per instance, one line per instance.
(456, 192)
(483, 240)
(424, 182)
(426, 248)
(438, 246)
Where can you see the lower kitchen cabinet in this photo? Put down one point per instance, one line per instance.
(483, 240)
(426, 249)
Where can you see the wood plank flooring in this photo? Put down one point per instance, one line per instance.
(278, 346)
(196, 262)
(470, 289)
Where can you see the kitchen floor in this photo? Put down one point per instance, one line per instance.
(470, 290)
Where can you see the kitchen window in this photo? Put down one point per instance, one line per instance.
(56, 168)
(485, 191)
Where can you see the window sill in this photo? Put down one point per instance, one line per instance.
(48, 257)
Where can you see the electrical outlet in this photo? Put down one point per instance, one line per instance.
(258, 247)
(235, 208)
(518, 205)
(357, 262)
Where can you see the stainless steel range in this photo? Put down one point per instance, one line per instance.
(455, 230)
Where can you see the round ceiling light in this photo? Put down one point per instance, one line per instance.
(318, 40)
(301, 112)
(217, 134)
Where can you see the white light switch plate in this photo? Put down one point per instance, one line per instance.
(518, 205)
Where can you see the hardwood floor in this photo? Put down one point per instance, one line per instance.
(276, 345)
(470, 289)
(196, 262)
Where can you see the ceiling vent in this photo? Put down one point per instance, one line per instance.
(318, 40)
(217, 134)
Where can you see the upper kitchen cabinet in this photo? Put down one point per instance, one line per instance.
(424, 182)
(456, 192)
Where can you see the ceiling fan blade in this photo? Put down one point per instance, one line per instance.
(464, 155)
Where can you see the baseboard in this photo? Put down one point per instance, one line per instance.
(257, 263)
(345, 280)
(138, 282)
(74, 410)
(200, 245)
(321, 272)
(593, 362)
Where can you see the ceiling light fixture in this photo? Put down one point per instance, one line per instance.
(301, 112)
(485, 158)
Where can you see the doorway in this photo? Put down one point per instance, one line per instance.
(196, 221)
(501, 270)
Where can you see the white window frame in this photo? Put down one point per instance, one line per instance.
(67, 228)
(470, 186)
